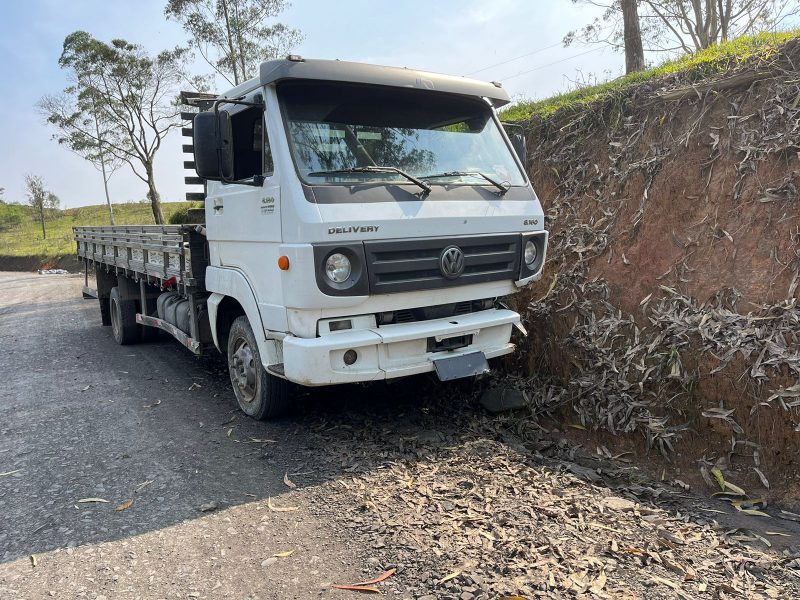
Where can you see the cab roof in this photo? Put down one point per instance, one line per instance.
(295, 67)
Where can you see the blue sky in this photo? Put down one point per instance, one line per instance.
(448, 36)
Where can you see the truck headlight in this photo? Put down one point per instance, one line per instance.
(338, 267)
(530, 253)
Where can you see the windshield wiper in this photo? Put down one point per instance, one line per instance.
(500, 186)
(376, 169)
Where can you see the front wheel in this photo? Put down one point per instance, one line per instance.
(260, 395)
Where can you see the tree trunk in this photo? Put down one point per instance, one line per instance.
(41, 216)
(153, 196)
(634, 52)
(108, 198)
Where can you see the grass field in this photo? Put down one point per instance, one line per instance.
(21, 231)
(701, 64)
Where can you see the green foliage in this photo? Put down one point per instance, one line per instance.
(233, 36)
(691, 67)
(181, 216)
(21, 233)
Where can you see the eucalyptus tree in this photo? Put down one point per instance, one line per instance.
(682, 25)
(121, 104)
(40, 199)
(234, 36)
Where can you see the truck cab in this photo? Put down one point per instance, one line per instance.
(362, 223)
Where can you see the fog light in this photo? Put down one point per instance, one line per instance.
(350, 357)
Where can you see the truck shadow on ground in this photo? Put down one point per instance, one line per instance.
(87, 427)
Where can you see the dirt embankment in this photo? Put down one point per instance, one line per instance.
(34, 263)
(669, 305)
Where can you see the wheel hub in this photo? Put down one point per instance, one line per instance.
(243, 371)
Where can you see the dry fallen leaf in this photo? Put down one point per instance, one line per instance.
(91, 500)
(288, 481)
(10, 473)
(34, 562)
(286, 554)
(452, 575)
(156, 403)
(280, 508)
(762, 477)
(366, 586)
(124, 506)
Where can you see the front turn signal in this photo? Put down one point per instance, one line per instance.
(283, 263)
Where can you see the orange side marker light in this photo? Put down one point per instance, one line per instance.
(283, 263)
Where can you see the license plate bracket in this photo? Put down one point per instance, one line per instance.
(463, 365)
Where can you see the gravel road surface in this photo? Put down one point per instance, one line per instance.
(88, 428)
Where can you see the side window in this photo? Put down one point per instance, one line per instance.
(251, 150)
(261, 137)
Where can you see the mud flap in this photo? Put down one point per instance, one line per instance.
(465, 365)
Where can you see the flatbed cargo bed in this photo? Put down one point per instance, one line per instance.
(161, 253)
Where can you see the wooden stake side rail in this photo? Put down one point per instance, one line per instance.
(158, 251)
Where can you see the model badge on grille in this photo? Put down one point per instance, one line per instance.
(451, 262)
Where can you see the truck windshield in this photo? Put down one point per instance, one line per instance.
(337, 130)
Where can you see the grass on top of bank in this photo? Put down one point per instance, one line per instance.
(756, 49)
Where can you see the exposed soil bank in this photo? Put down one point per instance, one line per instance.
(669, 304)
(34, 263)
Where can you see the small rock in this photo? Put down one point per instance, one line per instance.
(621, 504)
(208, 507)
(499, 399)
(270, 561)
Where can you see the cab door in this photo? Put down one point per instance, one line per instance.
(243, 218)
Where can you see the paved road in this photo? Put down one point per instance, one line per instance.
(82, 418)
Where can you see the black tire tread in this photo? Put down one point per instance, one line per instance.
(276, 393)
(128, 329)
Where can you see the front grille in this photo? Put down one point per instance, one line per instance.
(409, 265)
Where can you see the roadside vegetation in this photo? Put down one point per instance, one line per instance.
(21, 230)
(692, 67)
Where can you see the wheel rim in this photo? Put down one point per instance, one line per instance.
(115, 319)
(243, 370)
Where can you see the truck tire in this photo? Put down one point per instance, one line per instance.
(260, 395)
(105, 312)
(123, 319)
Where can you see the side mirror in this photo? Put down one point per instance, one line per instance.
(213, 145)
(520, 144)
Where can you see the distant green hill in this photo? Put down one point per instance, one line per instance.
(21, 232)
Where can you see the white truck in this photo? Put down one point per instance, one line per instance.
(361, 223)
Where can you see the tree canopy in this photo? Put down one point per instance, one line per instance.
(40, 199)
(121, 104)
(234, 36)
(684, 25)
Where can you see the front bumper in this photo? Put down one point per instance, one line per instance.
(393, 351)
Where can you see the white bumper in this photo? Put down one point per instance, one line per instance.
(393, 350)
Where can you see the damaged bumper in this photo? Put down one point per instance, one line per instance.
(399, 350)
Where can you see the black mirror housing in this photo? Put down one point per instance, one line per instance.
(213, 145)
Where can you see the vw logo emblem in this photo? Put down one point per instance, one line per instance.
(451, 262)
